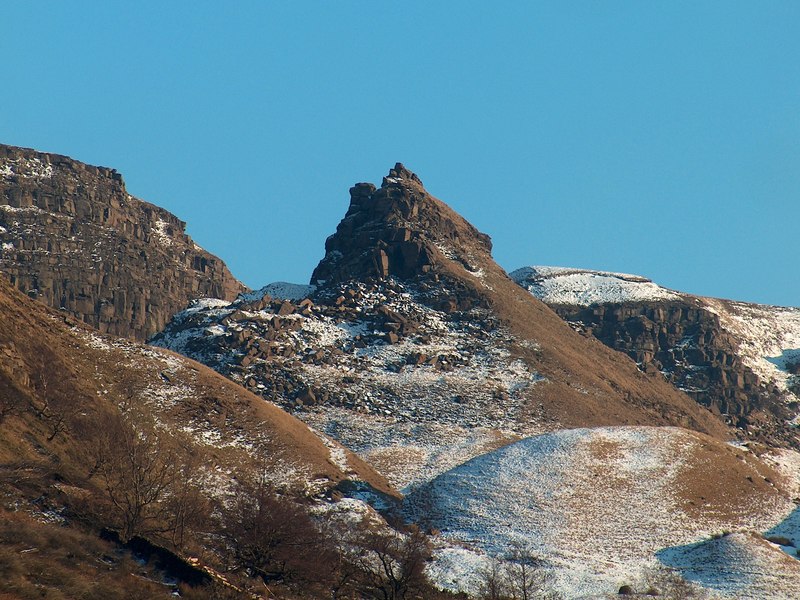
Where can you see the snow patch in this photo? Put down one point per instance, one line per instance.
(337, 453)
(579, 287)
(161, 231)
(27, 168)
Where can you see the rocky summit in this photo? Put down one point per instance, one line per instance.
(72, 236)
(396, 230)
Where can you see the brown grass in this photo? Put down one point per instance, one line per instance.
(55, 372)
(587, 384)
(728, 479)
(47, 561)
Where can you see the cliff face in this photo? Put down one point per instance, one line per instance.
(686, 343)
(696, 343)
(72, 236)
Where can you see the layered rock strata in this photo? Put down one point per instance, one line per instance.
(72, 237)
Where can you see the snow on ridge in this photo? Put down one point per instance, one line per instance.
(280, 290)
(582, 287)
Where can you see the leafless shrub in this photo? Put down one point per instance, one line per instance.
(520, 575)
(188, 509)
(57, 409)
(270, 536)
(11, 399)
(137, 472)
(668, 583)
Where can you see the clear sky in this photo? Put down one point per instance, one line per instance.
(657, 138)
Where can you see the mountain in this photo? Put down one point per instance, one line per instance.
(741, 360)
(72, 236)
(412, 342)
(513, 453)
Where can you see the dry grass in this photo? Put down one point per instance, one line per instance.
(69, 383)
(733, 481)
(47, 561)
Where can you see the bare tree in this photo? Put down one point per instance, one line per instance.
(494, 584)
(138, 471)
(187, 508)
(525, 574)
(10, 398)
(520, 575)
(57, 408)
(271, 536)
(391, 566)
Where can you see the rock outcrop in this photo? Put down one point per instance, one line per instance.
(683, 341)
(396, 230)
(72, 236)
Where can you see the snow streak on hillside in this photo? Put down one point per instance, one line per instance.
(769, 337)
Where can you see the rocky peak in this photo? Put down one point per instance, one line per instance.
(73, 237)
(399, 173)
(398, 230)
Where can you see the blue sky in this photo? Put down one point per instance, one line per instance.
(658, 138)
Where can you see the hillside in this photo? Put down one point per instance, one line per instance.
(411, 363)
(598, 506)
(508, 431)
(739, 359)
(92, 425)
(73, 237)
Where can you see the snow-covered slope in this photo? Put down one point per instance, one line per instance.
(769, 338)
(596, 504)
(738, 565)
(580, 287)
